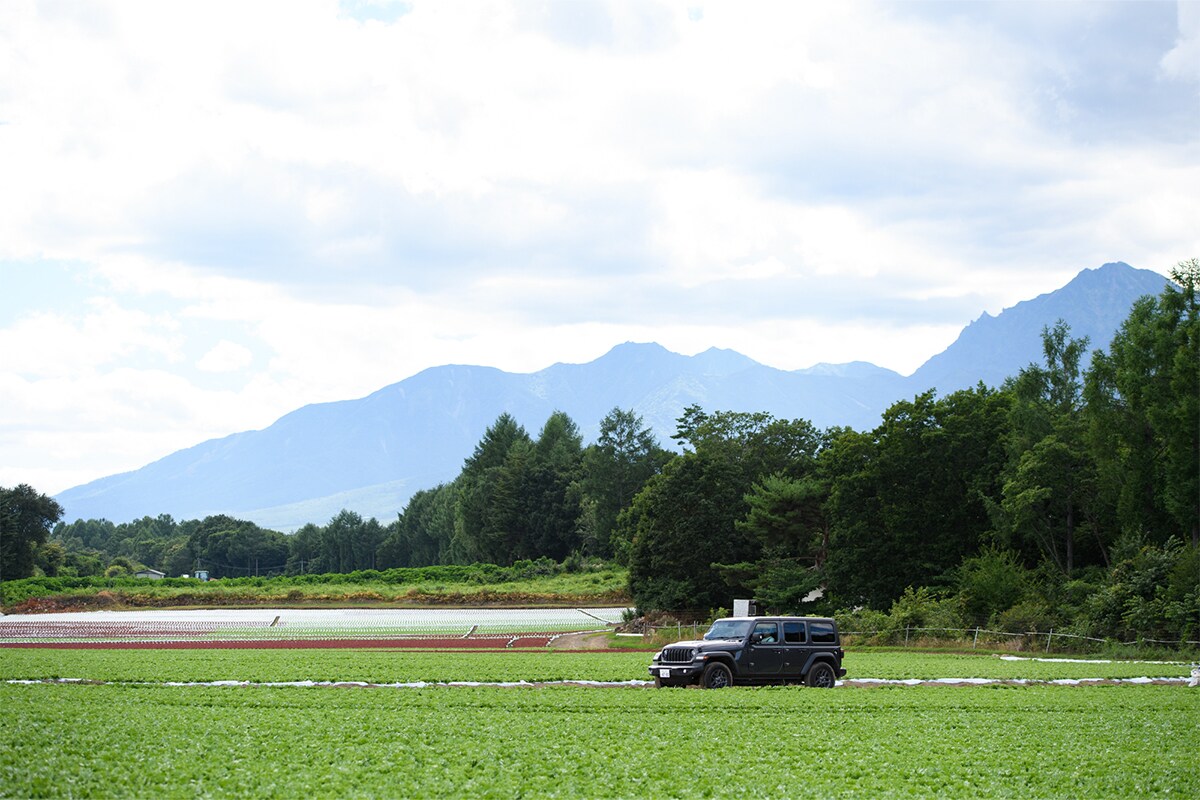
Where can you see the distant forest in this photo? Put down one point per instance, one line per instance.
(1067, 497)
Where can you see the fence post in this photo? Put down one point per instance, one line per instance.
(975, 644)
(906, 636)
(1049, 636)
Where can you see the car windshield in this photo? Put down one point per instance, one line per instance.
(729, 629)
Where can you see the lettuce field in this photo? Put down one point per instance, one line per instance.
(121, 729)
(390, 666)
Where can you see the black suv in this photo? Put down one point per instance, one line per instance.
(755, 650)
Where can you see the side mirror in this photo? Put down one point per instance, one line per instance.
(756, 638)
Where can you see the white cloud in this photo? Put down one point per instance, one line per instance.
(46, 344)
(225, 356)
(297, 201)
(1183, 61)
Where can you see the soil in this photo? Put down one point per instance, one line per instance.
(581, 641)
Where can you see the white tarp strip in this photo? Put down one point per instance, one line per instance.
(856, 682)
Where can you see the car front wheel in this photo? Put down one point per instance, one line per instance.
(716, 676)
(821, 676)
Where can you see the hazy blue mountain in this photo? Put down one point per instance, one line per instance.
(991, 349)
(371, 454)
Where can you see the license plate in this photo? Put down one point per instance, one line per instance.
(664, 673)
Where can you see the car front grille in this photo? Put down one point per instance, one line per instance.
(676, 655)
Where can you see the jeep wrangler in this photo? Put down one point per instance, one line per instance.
(755, 651)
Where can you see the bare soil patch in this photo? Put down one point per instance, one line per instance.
(588, 640)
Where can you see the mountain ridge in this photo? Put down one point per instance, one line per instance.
(371, 453)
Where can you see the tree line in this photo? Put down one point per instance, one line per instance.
(1036, 499)
(1067, 496)
(518, 498)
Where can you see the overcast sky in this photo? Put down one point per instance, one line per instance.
(213, 213)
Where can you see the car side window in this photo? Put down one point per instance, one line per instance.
(766, 632)
(793, 633)
(822, 632)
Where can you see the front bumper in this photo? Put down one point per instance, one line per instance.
(677, 674)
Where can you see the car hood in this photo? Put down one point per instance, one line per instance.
(714, 646)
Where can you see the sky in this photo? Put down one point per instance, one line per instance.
(213, 213)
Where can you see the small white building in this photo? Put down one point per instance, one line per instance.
(150, 573)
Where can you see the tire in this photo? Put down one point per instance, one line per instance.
(821, 676)
(658, 684)
(716, 676)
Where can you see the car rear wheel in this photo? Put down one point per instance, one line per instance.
(821, 676)
(716, 676)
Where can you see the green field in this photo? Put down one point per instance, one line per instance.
(134, 736)
(479, 585)
(390, 666)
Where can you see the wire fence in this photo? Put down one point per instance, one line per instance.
(917, 636)
(1032, 639)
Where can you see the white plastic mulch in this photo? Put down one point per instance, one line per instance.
(856, 682)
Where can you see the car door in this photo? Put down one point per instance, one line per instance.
(764, 651)
(796, 648)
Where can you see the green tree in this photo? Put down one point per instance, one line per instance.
(176, 558)
(626, 455)
(425, 530)
(83, 563)
(991, 582)
(687, 549)
(349, 542)
(532, 499)
(553, 490)
(1152, 591)
(786, 517)
(476, 535)
(50, 558)
(120, 567)
(685, 524)
(1143, 401)
(503, 536)
(26, 518)
(493, 448)
(306, 551)
(910, 500)
(232, 548)
(92, 534)
(1051, 486)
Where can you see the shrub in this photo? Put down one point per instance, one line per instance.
(1026, 616)
(865, 621)
(921, 609)
(991, 582)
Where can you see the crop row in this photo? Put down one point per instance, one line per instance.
(114, 740)
(389, 666)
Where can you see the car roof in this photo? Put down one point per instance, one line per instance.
(775, 619)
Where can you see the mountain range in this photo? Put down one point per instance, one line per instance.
(371, 454)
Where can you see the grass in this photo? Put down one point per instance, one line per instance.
(155, 741)
(133, 736)
(606, 586)
(389, 666)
